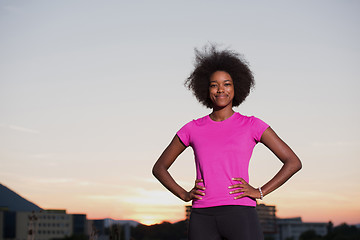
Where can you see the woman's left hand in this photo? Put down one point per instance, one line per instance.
(245, 189)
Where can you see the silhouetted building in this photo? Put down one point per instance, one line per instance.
(294, 227)
(96, 229)
(267, 218)
(21, 219)
(7, 224)
(79, 224)
(11, 201)
(187, 212)
(42, 225)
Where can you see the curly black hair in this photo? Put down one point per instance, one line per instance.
(211, 60)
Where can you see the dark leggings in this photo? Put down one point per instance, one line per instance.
(225, 223)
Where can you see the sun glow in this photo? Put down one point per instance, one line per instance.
(149, 220)
(156, 215)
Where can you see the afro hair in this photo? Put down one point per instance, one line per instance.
(211, 60)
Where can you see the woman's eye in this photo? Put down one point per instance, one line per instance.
(212, 86)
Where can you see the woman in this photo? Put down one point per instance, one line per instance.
(223, 200)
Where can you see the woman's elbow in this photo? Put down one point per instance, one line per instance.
(297, 165)
(157, 170)
(293, 164)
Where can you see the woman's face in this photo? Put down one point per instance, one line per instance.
(221, 89)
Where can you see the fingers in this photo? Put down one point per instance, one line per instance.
(200, 187)
(242, 193)
(196, 194)
(242, 188)
(239, 185)
(198, 180)
(197, 186)
(198, 191)
(239, 179)
(237, 191)
(251, 193)
(240, 196)
(245, 192)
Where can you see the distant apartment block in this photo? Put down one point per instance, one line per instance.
(42, 225)
(267, 219)
(187, 212)
(96, 229)
(292, 228)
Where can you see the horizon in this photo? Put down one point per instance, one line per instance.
(164, 220)
(91, 93)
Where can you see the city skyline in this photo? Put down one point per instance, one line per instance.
(91, 93)
(16, 203)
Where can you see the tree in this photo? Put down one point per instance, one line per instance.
(163, 231)
(309, 235)
(344, 232)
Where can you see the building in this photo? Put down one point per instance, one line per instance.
(8, 224)
(187, 212)
(294, 227)
(21, 219)
(79, 226)
(267, 219)
(97, 230)
(42, 225)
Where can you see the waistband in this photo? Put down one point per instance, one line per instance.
(220, 210)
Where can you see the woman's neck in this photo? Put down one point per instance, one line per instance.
(221, 114)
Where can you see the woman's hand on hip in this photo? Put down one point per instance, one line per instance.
(196, 192)
(245, 189)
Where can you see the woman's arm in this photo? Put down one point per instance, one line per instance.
(291, 164)
(160, 171)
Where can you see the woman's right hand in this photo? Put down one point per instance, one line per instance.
(196, 192)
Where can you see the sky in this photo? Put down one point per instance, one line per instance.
(91, 93)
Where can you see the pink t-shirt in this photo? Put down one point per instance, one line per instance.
(222, 151)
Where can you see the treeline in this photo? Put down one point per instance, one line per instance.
(341, 232)
(178, 231)
(163, 231)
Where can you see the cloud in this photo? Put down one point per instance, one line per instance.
(105, 197)
(138, 197)
(158, 184)
(54, 180)
(19, 129)
(336, 144)
(145, 197)
(150, 180)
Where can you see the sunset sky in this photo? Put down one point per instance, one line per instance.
(91, 92)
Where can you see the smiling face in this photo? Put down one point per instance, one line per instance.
(221, 89)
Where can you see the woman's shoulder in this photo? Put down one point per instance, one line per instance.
(201, 121)
(250, 119)
(197, 121)
(243, 117)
